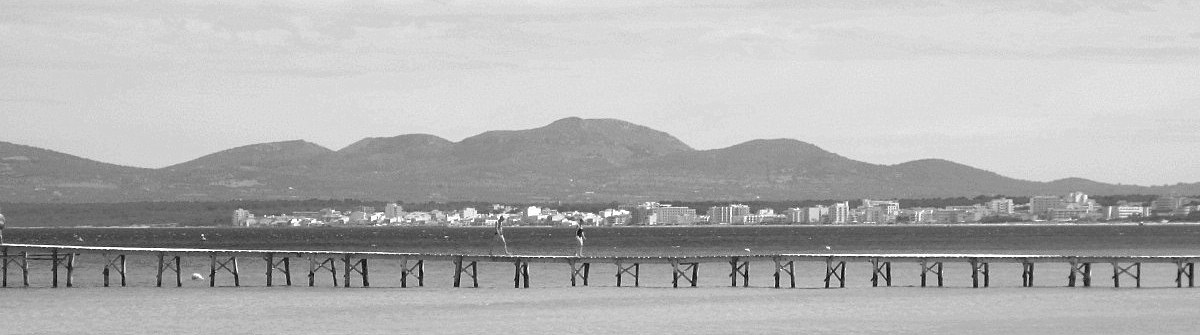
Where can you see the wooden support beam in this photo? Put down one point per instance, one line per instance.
(54, 267)
(25, 268)
(4, 266)
(22, 263)
(270, 260)
(835, 271)
(680, 270)
(978, 268)
(70, 265)
(282, 265)
(178, 272)
(228, 264)
(160, 269)
(327, 263)
(287, 271)
(935, 267)
(521, 274)
(1185, 267)
(165, 264)
(114, 263)
(1026, 273)
(632, 270)
(1119, 270)
(782, 267)
(883, 270)
(418, 267)
(474, 268)
(351, 266)
(366, 273)
(461, 268)
(739, 268)
(579, 271)
(458, 266)
(1083, 270)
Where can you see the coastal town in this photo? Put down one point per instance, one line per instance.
(1072, 207)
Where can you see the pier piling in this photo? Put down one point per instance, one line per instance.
(165, 265)
(1082, 269)
(1026, 273)
(350, 266)
(1119, 270)
(228, 264)
(521, 274)
(679, 270)
(835, 271)
(283, 265)
(579, 271)
(882, 269)
(739, 268)
(418, 267)
(1184, 267)
(782, 267)
(632, 270)
(979, 268)
(471, 269)
(115, 263)
(926, 268)
(325, 263)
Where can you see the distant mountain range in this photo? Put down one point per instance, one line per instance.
(570, 160)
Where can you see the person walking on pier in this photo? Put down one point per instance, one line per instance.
(500, 236)
(579, 236)
(2, 228)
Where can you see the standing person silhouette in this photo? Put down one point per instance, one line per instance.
(500, 236)
(579, 236)
(2, 229)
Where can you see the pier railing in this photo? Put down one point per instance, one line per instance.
(684, 268)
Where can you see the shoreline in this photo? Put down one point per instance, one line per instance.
(1007, 224)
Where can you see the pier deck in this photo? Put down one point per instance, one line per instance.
(355, 264)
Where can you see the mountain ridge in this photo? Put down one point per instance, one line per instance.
(570, 159)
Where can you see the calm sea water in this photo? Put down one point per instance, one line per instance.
(667, 241)
(553, 306)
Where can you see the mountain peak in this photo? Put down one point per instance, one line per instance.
(396, 144)
(779, 146)
(272, 154)
(567, 122)
(607, 137)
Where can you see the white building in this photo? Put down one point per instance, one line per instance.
(839, 213)
(469, 213)
(393, 210)
(242, 217)
(1002, 206)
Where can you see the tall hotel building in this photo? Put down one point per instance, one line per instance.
(839, 213)
(732, 214)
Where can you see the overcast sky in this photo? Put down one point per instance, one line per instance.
(1037, 90)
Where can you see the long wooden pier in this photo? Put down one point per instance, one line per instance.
(684, 270)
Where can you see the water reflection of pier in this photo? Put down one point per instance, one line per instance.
(355, 264)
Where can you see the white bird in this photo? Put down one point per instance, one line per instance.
(202, 238)
(77, 237)
(747, 249)
(197, 276)
(827, 247)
